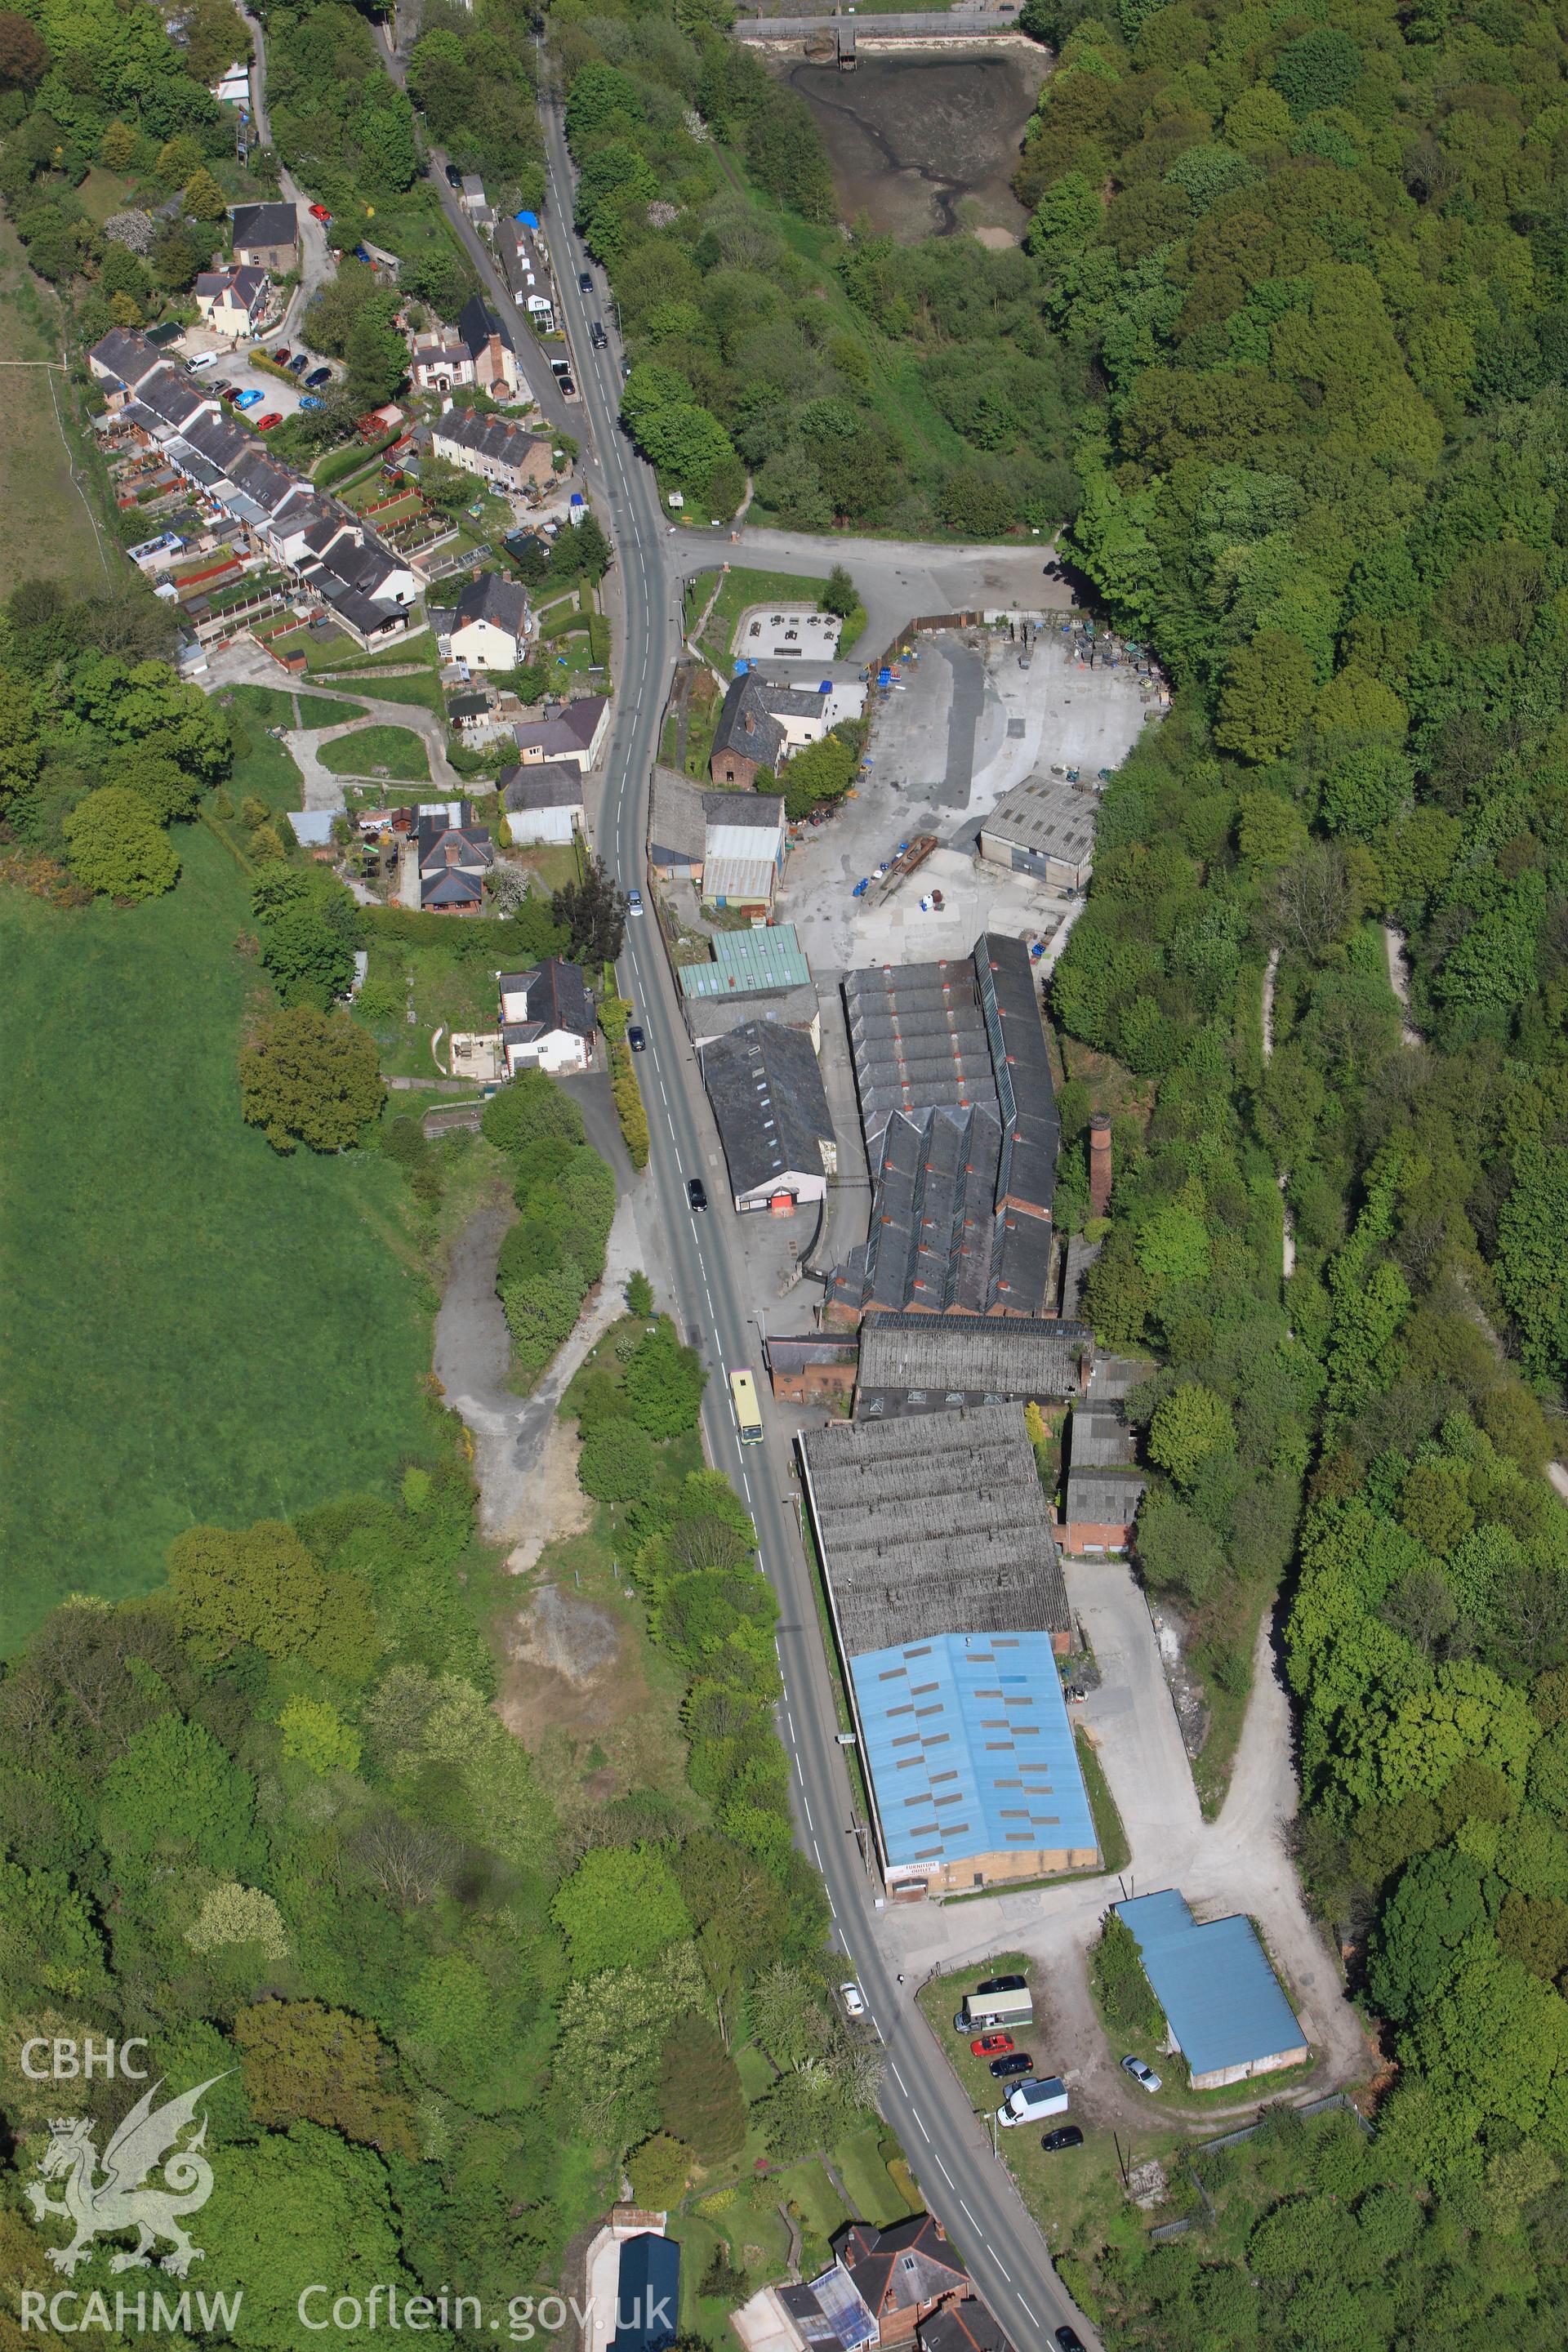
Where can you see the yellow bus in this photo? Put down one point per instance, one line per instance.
(748, 1413)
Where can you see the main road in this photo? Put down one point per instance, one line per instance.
(947, 2145)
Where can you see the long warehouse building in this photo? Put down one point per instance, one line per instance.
(949, 1608)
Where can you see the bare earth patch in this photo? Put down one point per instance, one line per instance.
(560, 1507)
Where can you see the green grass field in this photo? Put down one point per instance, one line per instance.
(196, 1328)
(396, 749)
(47, 527)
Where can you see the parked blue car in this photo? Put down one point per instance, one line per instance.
(309, 399)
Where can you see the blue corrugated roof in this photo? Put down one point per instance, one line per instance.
(1222, 2001)
(647, 2295)
(970, 1749)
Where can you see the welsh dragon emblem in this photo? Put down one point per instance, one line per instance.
(100, 2203)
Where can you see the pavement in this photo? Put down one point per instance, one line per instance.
(234, 367)
(243, 662)
(324, 786)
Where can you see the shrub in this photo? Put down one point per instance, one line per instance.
(630, 1108)
(1124, 1992)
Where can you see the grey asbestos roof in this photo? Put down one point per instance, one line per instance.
(919, 1041)
(985, 1354)
(769, 1101)
(934, 1526)
(549, 783)
(956, 1099)
(1109, 1497)
(716, 1016)
(677, 822)
(1098, 1439)
(1047, 816)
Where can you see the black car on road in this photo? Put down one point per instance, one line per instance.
(585, 283)
(636, 1039)
(454, 178)
(697, 1194)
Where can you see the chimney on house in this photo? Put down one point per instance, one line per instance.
(1100, 1165)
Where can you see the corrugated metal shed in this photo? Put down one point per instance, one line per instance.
(1222, 2001)
(970, 1749)
(743, 960)
(749, 879)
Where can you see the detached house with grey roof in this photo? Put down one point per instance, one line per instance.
(267, 236)
(546, 1018)
(232, 302)
(446, 858)
(491, 625)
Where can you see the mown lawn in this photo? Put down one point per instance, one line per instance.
(195, 1328)
(396, 749)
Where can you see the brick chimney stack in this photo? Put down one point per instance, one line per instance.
(1100, 1165)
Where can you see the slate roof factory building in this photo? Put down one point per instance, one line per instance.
(949, 1609)
(771, 1108)
(959, 1118)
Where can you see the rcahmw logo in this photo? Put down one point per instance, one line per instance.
(102, 2197)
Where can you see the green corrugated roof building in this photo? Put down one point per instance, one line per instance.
(746, 962)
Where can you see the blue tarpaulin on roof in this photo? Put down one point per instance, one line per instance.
(1222, 2001)
(529, 220)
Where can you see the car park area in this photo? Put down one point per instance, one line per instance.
(232, 364)
(957, 728)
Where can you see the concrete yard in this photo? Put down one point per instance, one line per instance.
(959, 729)
(766, 634)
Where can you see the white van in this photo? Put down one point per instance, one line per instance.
(1048, 2096)
(201, 360)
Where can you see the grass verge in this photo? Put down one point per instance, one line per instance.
(1114, 1848)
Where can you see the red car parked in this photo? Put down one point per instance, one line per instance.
(273, 416)
(992, 2045)
(320, 212)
